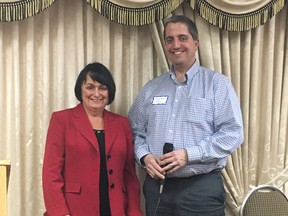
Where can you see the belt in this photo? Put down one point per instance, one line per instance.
(213, 171)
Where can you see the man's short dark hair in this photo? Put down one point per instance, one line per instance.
(192, 28)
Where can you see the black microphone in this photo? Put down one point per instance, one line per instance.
(168, 147)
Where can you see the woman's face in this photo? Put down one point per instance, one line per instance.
(94, 95)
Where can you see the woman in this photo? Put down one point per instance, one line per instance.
(89, 166)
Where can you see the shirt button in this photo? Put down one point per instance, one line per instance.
(108, 157)
(112, 185)
(110, 171)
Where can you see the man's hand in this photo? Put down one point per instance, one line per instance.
(173, 160)
(153, 167)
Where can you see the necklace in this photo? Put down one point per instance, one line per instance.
(98, 131)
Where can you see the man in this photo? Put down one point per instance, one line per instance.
(197, 111)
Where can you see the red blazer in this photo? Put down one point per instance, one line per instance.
(72, 164)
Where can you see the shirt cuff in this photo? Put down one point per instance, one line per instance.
(194, 154)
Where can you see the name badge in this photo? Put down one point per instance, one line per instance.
(160, 100)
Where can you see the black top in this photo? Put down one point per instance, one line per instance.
(103, 185)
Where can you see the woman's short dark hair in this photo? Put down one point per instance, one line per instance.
(192, 28)
(98, 72)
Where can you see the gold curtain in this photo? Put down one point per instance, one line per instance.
(231, 15)
(40, 58)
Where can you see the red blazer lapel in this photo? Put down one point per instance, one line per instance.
(111, 129)
(83, 125)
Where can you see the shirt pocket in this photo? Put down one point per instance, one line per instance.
(199, 110)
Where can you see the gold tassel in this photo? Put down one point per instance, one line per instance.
(15, 11)
(239, 22)
(135, 16)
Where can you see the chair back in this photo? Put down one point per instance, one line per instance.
(265, 200)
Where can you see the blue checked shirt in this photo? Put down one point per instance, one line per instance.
(202, 115)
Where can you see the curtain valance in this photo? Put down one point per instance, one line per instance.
(231, 15)
(135, 12)
(14, 10)
(237, 15)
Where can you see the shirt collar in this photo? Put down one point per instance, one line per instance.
(188, 75)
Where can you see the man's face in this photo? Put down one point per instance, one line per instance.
(180, 47)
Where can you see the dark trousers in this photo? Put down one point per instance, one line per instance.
(201, 195)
